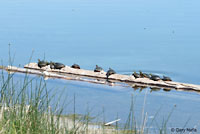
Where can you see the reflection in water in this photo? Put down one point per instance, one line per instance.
(139, 87)
(167, 89)
(152, 88)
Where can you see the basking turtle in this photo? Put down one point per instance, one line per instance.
(76, 66)
(141, 74)
(58, 65)
(136, 75)
(165, 78)
(98, 69)
(155, 77)
(110, 72)
(144, 75)
(42, 63)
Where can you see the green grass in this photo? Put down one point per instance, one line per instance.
(22, 112)
(25, 109)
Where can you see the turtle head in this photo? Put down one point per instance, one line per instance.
(47, 62)
(51, 63)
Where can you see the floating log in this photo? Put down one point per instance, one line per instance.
(100, 77)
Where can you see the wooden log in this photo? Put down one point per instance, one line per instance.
(55, 74)
(100, 77)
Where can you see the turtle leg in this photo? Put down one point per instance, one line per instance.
(107, 77)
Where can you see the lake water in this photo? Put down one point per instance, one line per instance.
(154, 36)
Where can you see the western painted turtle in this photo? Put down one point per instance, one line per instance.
(136, 75)
(141, 74)
(98, 69)
(58, 65)
(144, 75)
(155, 77)
(76, 66)
(110, 72)
(42, 63)
(165, 78)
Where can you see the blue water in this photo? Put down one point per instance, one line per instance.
(153, 36)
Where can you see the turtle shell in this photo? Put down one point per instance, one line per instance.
(76, 66)
(136, 75)
(141, 74)
(110, 72)
(41, 63)
(98, 69)
(58, 65)
(165, 78)
(155, 77)
(145, 75)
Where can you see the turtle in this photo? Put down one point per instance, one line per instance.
(165, 78)
(136, 75)
(110, 72)
(141, 74)
(144, 75)
(98, 69)
(155, 77)
(76, 66)
(58, 65)
(42, 63)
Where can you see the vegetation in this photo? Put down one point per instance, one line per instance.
(25, 108)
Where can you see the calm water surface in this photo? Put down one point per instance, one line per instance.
(153, 36)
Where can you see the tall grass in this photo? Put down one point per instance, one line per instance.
(25, 108)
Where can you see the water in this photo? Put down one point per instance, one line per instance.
(153, 36)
